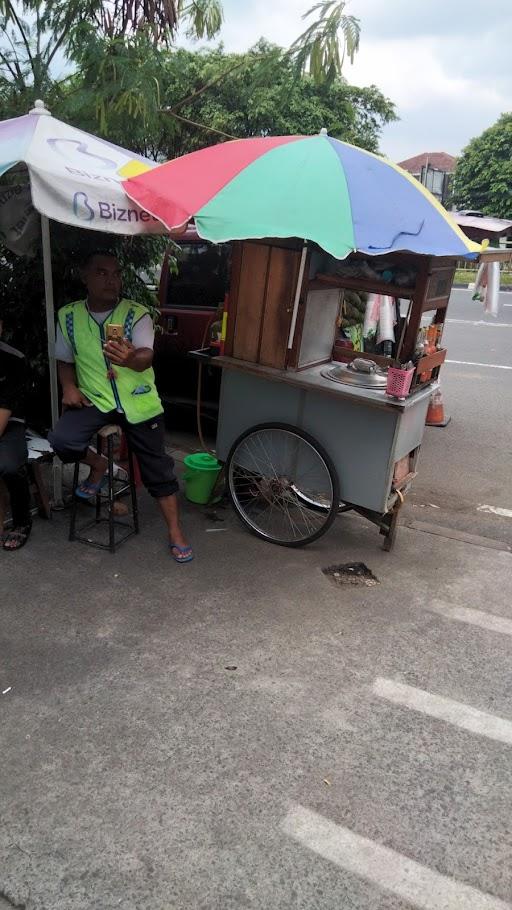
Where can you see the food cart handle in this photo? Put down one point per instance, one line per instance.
(363, 366)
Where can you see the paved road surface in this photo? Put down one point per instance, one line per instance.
(239, 733)
(469, 463)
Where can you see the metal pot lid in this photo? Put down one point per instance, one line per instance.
(347, 376)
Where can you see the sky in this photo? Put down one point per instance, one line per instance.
(447, 64)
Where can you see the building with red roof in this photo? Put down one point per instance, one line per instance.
(433, 170)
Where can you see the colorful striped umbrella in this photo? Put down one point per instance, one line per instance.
(312, 187)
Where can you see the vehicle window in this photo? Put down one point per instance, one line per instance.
(203, 275)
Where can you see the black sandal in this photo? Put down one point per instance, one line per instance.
(18, 537)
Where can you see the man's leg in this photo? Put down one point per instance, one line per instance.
(170, 511)
(147, 440)
(13, 471)
(72, 434)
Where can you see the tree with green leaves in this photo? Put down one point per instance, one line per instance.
(483, 176)
(37, 35)
(259, 93)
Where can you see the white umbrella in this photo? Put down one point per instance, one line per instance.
(75, 178)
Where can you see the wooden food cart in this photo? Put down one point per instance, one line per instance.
(304, 437)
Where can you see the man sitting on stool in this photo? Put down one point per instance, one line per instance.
(113, 382)
(13, 447)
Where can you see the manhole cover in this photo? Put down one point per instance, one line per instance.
(351, 573)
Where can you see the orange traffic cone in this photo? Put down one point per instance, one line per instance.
(435, 414)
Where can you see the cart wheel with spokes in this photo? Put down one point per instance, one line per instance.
(282, 484)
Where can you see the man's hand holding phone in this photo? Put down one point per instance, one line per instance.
(120, 352)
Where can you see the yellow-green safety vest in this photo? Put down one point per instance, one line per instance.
(108, 386)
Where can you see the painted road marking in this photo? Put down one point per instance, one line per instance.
(492, 325)
(495, 510)
(453, 712)
(470, 363)
(389, 870)
(488, 621)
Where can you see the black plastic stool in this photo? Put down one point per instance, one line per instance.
(108, 432)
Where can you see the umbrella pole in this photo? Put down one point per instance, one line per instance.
(297, 295)
(52, 363)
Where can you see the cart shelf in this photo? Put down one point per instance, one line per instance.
(361, 284)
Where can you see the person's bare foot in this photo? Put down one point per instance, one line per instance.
(177, 537)
(98, 468)
(17, 537)
(180, 547)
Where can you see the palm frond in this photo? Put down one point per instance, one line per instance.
(321, 49)
(203, 17)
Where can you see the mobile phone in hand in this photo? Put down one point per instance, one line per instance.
(114, 332)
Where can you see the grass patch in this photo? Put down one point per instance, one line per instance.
(466, 276)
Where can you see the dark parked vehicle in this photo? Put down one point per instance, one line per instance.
(189, 301)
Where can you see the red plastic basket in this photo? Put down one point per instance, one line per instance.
(399, 382)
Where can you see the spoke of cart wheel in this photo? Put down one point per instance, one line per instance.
(264, 464)
(314, 467)
(263, 496)
(257, 466)
(294, 527)
(267, 457)
(276, 503)
(305, 514)
(251, 455)
(269, 508)
(311, 520)
(296, 513)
